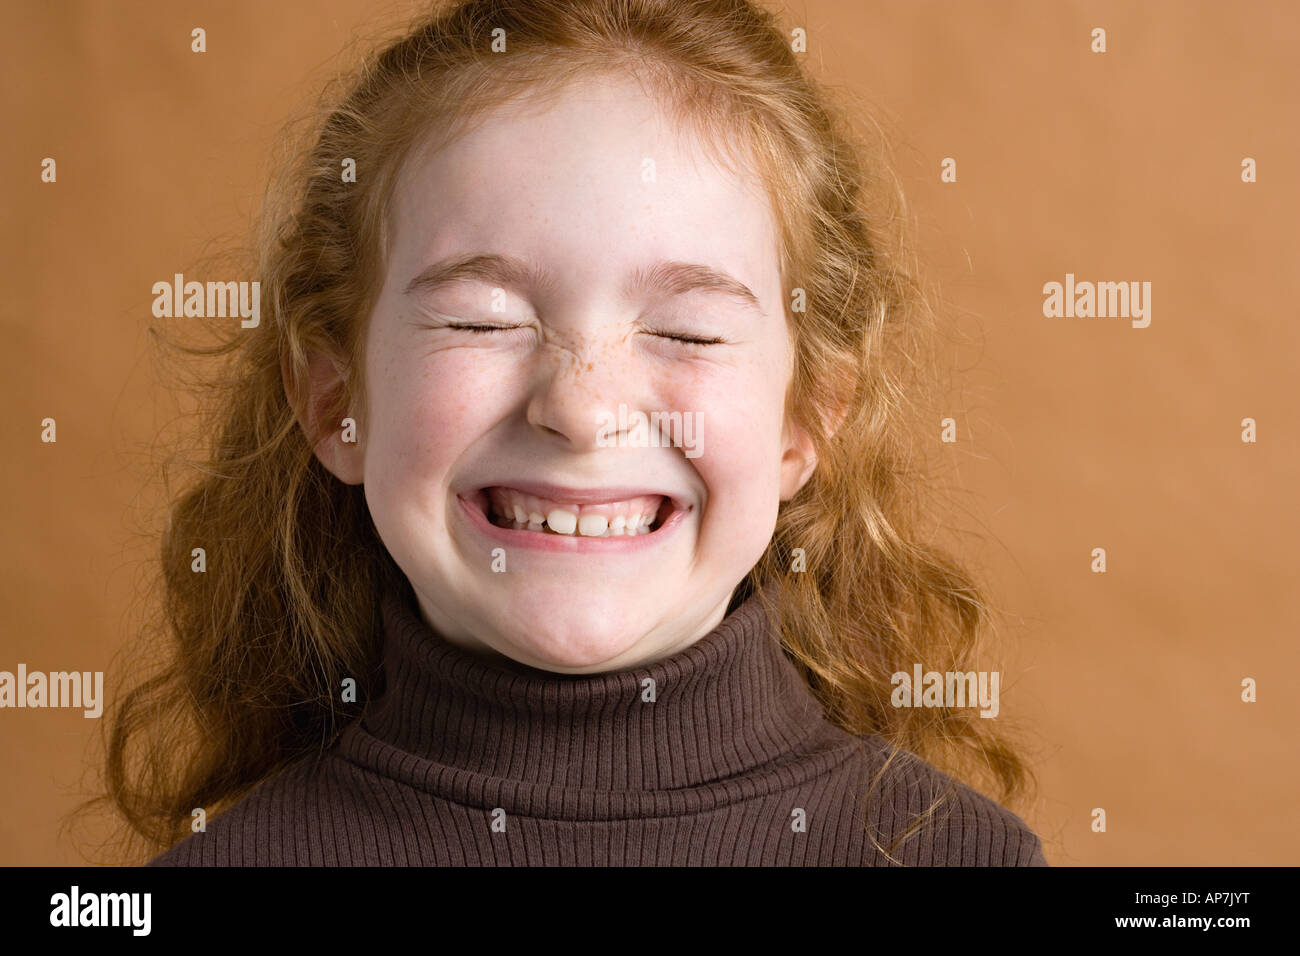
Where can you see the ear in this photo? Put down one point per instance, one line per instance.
(798, 459)
(325, 380)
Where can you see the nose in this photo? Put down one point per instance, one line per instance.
(578, 384)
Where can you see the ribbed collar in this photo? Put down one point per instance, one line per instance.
(725, 706)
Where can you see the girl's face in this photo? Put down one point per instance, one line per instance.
(591, 239)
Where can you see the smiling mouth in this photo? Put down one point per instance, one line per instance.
(514, 510)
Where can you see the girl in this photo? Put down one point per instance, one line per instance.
(560, 514)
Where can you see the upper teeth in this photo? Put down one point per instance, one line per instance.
(609, 519)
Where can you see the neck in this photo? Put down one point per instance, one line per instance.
(726, 704)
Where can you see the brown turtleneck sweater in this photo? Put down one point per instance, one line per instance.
(472, 761)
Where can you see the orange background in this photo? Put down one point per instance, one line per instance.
(1075, 433)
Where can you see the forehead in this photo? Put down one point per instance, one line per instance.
(596, 175)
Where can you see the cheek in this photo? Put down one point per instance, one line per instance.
(427, 410)
(740, 416)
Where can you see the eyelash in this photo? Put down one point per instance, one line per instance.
(485, 328)
(684, 339)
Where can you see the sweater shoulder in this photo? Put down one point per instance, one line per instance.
(958, 825)
(258, 828)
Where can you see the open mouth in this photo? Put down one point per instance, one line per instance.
(514, 510)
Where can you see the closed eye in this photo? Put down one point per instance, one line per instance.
(484, 328)
(688, 339)
(675, 336)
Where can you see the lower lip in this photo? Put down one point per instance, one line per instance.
(574, 543)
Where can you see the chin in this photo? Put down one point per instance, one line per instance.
(573, 645)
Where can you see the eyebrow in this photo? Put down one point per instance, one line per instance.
(670, 278)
